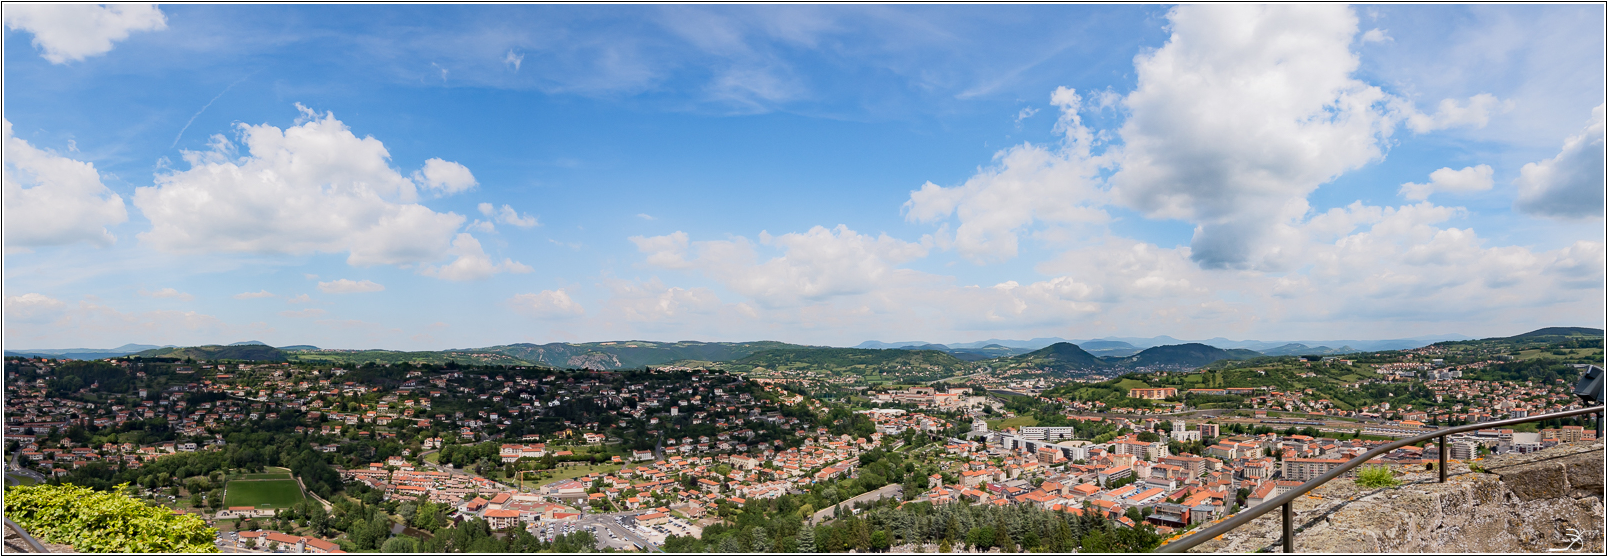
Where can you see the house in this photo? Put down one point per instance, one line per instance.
(502, 519)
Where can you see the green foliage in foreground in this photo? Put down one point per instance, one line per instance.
(1376, 476)
(105, 522)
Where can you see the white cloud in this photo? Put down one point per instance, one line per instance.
(349, 286)
(445, 177)
(314, 187)
(1376, 36)
(815, 265)
(1470, 179)
(252, 295)
(1024, 114)
(507, 215)
(1570, 185)
(645, 216)
(1243, 113)
(167, 293)
(1027, 183)
(300, 299)
(31, 306)
(309, 312)
(668, 251)
(69, 32)
(652, 302)
(1475, 113)
(547, 304)
(51, 200)
(472, 263)
(514, 59)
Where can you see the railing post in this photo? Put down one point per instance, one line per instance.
(1289, 527)
(1442, 466)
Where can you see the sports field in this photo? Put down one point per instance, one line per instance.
(262, 493)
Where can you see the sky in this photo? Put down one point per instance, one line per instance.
(427, 177)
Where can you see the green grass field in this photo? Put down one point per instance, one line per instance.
(433, 458)
(569, 472)
(285, 476)
(262, 493)
(1126, 384)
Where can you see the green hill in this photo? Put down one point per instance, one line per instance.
(633, 353)
(211, 352)
(1191, 355)
(359, 357)
(871, 364)
(1559, 332)
(1059, 357)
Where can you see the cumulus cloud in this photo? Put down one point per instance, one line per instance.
(1469, 179)
(1239, 116)
(349, 286)
(51, 200)
(1570, 185)
(1476, 112)
(70, 32)
(167, 293)
(814, 265)
(445, 177)
(547, 304)
(304, 313)
(472, 263)
(507, 215)
(1026, 184)
(252, 295)
(31, 306)
(314, 187)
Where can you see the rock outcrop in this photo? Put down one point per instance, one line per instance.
(1548, 501)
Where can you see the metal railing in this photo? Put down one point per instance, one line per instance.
(33, 543)
(1287, 500)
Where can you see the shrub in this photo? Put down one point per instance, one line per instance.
(105, 522)
(1376, 476)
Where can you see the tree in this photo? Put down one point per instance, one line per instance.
(879, 540)
(806, 536)
(400, 544)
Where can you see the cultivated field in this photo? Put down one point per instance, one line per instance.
(262, 493)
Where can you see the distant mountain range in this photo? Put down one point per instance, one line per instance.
(1039, 353)
(1128, 346)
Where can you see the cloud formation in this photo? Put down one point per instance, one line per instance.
(1570, 185)
(349, 286)
(51, 200)
(72, 32)
(1027, 184)
(314, 187)
(472, 263)
(1468, 180)
(1244, 112)
(507, 215)
(547, 304)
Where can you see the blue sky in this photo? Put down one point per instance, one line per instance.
(424, 177)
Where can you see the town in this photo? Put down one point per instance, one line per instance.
(299, 457)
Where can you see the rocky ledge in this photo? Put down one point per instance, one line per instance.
(1543, 502)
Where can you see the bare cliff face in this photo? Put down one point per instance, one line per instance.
(1544, 502)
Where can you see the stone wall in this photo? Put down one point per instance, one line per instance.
(1504, 504)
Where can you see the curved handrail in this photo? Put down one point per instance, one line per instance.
(1202, 536)
(37, 547)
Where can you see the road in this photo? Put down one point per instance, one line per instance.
(890, 490)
